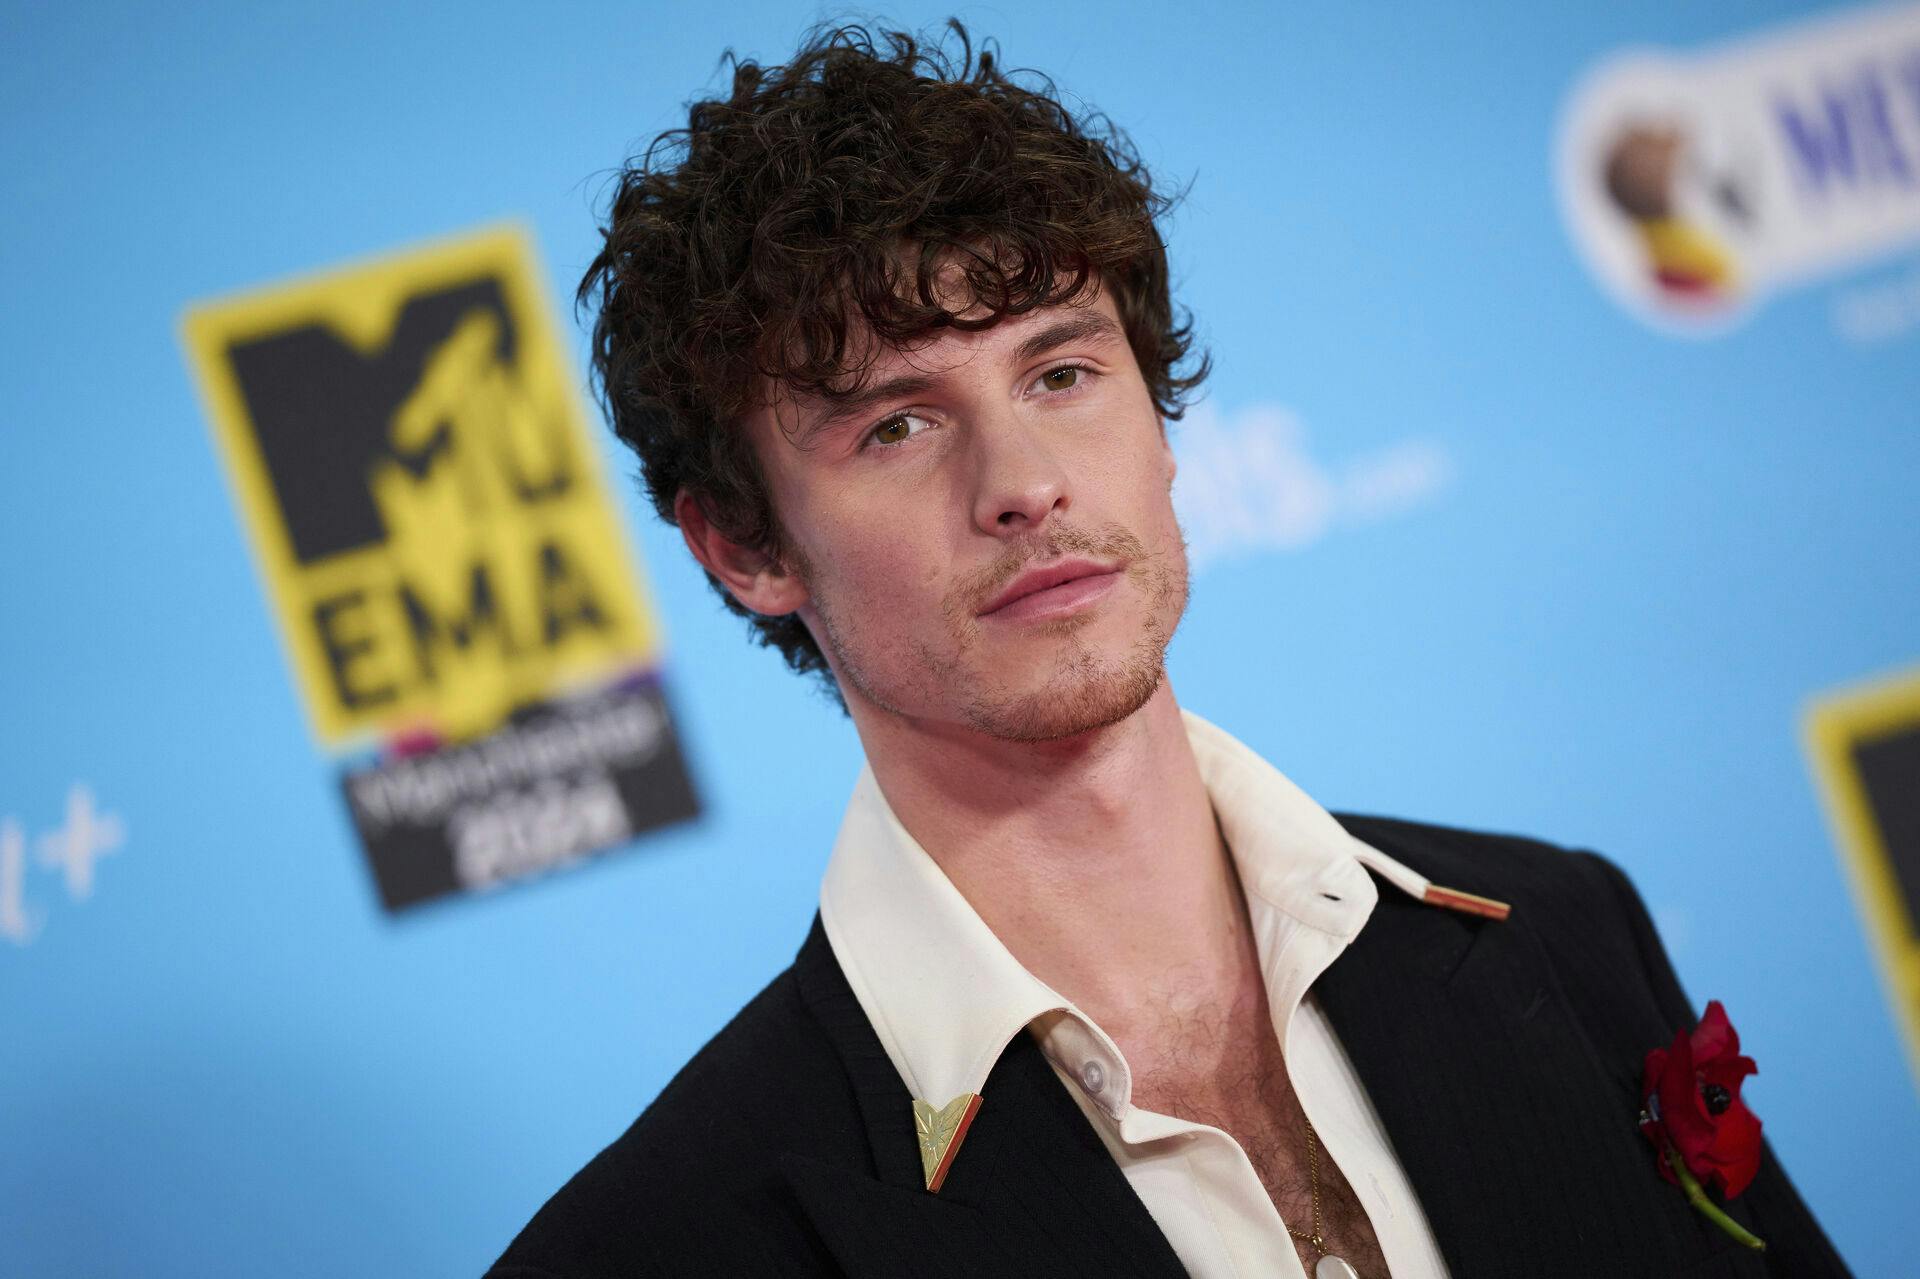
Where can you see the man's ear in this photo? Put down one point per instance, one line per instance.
(1166, 453)
(761, 584)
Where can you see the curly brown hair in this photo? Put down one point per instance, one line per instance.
(747, 249)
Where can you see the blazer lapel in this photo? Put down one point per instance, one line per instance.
(1519, 1141)
(1032, 1189)
(1412, 988)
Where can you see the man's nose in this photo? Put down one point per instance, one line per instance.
(1021, 482)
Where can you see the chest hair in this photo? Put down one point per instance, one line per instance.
(1229, 1073)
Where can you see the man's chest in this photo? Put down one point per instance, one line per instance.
(1238, 1084)
(1236, 1080)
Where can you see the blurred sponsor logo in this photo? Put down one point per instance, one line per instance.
(1695, 184)
(72, 849)
(411, 458)
(1250, 483)
(1879, 311)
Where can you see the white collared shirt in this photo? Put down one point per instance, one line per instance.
(945, 997)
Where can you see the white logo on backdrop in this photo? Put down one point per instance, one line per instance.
(1882, 310)
(72, 848)
(1694, 185)
(1249, 483)
(17, 924)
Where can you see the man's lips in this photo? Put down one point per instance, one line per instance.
(1056, 587)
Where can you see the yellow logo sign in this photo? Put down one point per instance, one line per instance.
(1865, 746)
(428, 508)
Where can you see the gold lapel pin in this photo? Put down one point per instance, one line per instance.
(1466, 903)
(941, 1132)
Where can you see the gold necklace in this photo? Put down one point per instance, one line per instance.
(1329, 1266)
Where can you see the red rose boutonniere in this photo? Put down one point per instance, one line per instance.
(1692, 1113)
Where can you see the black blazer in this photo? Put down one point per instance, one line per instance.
(1504, 1059)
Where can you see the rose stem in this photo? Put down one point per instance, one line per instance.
(1698, 1198)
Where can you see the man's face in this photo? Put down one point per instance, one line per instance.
(985, 534)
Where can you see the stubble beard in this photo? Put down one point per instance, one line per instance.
(1087, 689)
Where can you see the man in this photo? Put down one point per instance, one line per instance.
(1093, 988)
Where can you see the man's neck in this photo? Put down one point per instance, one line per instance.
(1096, 860)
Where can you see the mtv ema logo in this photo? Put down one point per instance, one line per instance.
(1864, 743)
(451, 580)
(1693, 185)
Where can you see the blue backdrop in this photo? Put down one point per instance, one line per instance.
(1530, 564)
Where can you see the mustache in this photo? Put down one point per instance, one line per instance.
(1111, 542)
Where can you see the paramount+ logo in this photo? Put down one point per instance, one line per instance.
(1695, 185)
(452, 582)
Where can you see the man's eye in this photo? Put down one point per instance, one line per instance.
(896, 429)
(1064, 378)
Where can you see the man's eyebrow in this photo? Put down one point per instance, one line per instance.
(1077, 328)
(859, 403)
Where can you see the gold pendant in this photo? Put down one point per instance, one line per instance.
(941, 1132)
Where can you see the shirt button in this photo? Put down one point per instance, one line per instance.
(1094, 1076)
